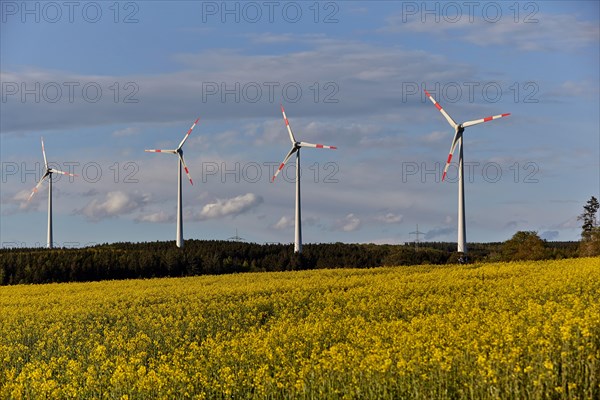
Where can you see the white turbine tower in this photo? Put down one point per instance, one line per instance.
(296, 146)
(48, 174)
(458, 139)
(180, 163)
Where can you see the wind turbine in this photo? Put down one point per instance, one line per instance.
(48, 174)
(181, 162)
(458, 139)
(296, 146)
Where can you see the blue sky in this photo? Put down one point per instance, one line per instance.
(102, 81)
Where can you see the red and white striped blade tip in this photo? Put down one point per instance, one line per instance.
(441, 109)
(188, 132)
(44, 153)
(187, 172)
(433, 100)
(284, 116)
(482, 120)
(450, 154)
(185, 168)
(277, 172)
(287, 125)
(160, 151)
(448, 161)
(61, 172)
(446, 169)
(35, 189)
(285, 160)
(317, 146)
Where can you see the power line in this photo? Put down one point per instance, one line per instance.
(236, 238)
(417, 233)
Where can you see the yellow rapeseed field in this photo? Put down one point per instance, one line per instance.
(528, 330)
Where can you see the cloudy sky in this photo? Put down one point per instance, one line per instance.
(102, 81)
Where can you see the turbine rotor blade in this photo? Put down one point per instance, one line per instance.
(161, 151)
(452, 148)
(285, 160)
(287, 124)
(482, 120)
(188, 133)
(44, 153)
(185, 168)
(35, 189)
(317, 146)
(444, 113)
(52, 170)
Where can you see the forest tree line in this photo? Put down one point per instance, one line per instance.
(163, 259)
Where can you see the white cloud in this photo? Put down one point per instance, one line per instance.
(575, 89)
(22, 197)
(349, 223)
(438, 232)
(436, 136)
(228, 137)
(353, 66)
(284, 223)
(569, 224)
(390, 218)
(230, 207)
(114, 203)
(130, 131)
(269, 38)
(287, 222)
(549, 33)
(156, 217)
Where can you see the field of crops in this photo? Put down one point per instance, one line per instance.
(519, 330)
